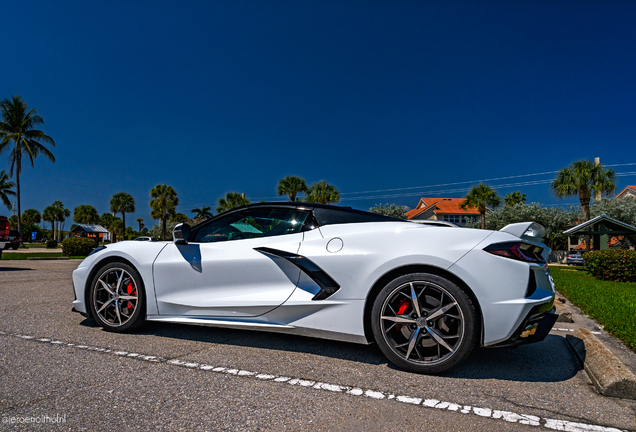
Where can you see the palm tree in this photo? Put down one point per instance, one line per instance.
(85, 214)
(231, 201)
(323, 193)
(139, 221)
(66, 213)
(202, 213)
(514, 198)
(30, 218)
(59, 215)
(481, 197)
(178, 218)
(17, 126)
(123, 203)
(53, 214)
(584, 178)
(5, 189)
(116, 227)
(291, 186)
(48, 215)
(106, 220)
(165, 199)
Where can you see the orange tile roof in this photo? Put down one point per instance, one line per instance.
(632, 188)
(441, 206)
(416, 211)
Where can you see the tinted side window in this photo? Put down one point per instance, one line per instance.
(252, 223)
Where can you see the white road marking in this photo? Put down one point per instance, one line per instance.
(553, 424)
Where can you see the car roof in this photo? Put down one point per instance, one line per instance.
(325, 214)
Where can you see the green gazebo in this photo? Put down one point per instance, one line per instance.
(601, 229)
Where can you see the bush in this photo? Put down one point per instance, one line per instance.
(51, 244)
(78, 246)
(612, 265)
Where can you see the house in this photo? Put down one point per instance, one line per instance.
(97, 232)
(446, 209)
(629, 191)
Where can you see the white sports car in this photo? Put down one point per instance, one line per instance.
(425, 294)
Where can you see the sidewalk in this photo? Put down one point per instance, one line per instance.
(32, 250)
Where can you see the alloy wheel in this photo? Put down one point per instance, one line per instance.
(422, 323)
(115, 297)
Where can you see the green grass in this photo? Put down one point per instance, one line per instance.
(23, 256)
(612, 304)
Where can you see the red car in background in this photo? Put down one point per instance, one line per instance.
(4, 232)
(14, 240)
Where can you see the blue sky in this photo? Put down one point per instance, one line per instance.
(403, 98)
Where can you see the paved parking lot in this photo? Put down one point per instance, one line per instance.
(56, 364)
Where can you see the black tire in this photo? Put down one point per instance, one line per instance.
(413, 341)
(117, 310)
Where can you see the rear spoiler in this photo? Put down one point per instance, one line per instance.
(531, 231)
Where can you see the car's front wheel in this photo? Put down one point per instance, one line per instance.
(117, 299)
(424, 323)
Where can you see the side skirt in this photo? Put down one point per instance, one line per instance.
(261, 326)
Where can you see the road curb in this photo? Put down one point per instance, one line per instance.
(609, 375)
(46, 258)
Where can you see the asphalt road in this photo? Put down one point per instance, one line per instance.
(57, 366)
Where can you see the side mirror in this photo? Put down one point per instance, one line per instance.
(181, 233)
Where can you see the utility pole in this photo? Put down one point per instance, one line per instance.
(597, 198)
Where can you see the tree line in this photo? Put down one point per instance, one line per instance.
(19, 135)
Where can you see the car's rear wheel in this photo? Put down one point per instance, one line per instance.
(117, 298)
(424, 323)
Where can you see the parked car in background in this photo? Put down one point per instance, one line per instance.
(148, 239)
(575, 258)
(4, 232)
(14, 240)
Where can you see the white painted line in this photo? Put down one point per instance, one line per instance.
(511, 417)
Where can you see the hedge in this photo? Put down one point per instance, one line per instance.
(51, 244)
(78, 246)
(612, 265)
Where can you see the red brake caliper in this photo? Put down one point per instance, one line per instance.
(130, 290)
(404, 305)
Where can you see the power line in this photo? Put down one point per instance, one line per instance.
(451, 184)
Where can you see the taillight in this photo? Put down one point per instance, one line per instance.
(519, 251)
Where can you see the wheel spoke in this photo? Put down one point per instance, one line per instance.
(127, 297)
(441, 311)
(117, 311)
(104, 305)
(416, 305)
(392, 310)
(439, 339)
(106, 287)
(412, 342)
(121, 276)
(401, 319)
